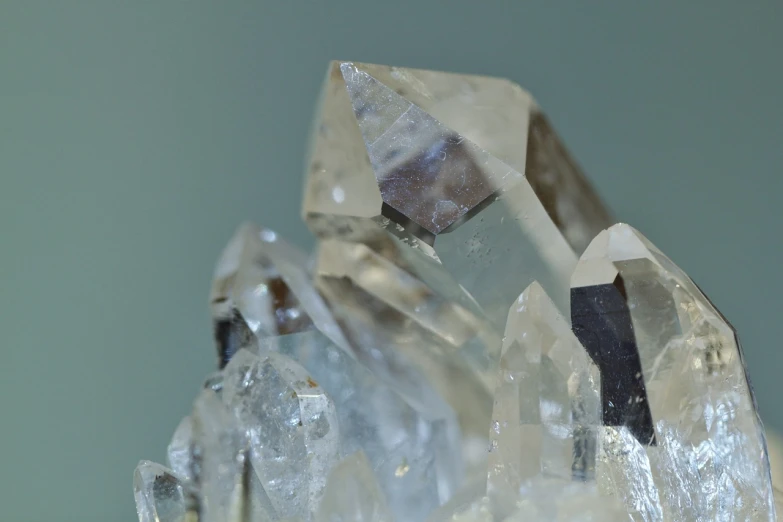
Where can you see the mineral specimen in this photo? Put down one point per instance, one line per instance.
(472, 340)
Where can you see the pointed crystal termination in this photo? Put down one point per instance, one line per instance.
(547, 402)
(673, 378)
(415, 459)
(179, 454)
(352, 494)
(159, 494)
(462, 167)
(410, 323)
(291, 425)
(262, 287)
(254, 289)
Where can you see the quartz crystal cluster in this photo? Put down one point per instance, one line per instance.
(472, 340)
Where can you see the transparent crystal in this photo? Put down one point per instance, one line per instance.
(412, 325)
(352, 494)
(415, 459)
(449, 163)
(159, 494)
(291, 426)
(539, 500)
(673, 380)
(179, 454)
(261, 288)
(547, 402)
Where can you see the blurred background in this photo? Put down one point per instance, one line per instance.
(135, 136)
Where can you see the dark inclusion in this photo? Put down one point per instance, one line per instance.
(602, 322)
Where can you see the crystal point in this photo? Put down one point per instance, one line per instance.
(291, 425)
(262, 287)
(159, 494)
(673, 378)
(449, 162)
(547, 401)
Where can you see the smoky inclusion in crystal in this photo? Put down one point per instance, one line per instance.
(470, 340)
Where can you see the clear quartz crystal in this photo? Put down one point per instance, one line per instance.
(159, 494)
(463, 167)
(179, 454)
(547, 402)
(291, 426)
(352, 494)
(415, 459)
(673, 380)
(433, 344)
(385, 379)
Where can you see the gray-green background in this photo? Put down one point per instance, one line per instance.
(135, 135)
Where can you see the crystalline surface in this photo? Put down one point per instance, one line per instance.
(261, 285)
(291, 425)
(547, 402)
(159, 494)
(673, 378)
(352, 494)
(464, 164)
(180, 451)
(539, 500)
(416, 459)
(412, 325)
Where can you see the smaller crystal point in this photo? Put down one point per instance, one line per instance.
(291, 425)
(262, 287)
(547, 402)
(219, 444)
(352, 494)
(159, 494)
(179, 454)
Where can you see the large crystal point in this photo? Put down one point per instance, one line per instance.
(291, 426)
(352, 494)
(673, 379)
(465, 165)
(159, 494)
(547, 402)
(416, 460)
(408, 321)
